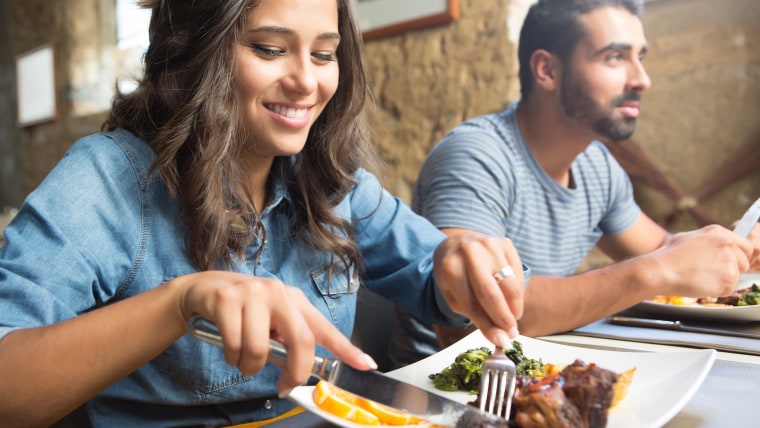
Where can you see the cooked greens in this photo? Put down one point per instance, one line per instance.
(523, 364)
(464, 373)
(750, 297)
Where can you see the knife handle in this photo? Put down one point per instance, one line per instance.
(206, 331)
(646, 322)
(748, 220)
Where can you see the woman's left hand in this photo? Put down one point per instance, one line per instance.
(467, 267)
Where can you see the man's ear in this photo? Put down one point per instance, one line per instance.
(546, 69)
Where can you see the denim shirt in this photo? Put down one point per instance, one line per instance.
(102, 227)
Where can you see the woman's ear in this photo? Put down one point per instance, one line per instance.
(546, 69)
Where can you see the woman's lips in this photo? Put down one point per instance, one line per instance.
(293, 116)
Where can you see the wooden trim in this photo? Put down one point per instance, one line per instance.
(448, 12)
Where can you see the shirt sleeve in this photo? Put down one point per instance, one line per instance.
(397, 246)
(466, 182)
(72, 243)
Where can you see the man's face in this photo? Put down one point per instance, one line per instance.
(603, 80)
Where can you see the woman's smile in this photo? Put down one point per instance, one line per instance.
(289, 115)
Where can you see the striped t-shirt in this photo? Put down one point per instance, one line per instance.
(481, 176)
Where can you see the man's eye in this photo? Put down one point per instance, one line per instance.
(266, 51)
(614, 57)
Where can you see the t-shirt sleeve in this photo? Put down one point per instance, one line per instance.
(466, 182)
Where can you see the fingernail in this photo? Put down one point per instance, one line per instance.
(502, 340)
(370, 361)
(513, 333)
(284, 393)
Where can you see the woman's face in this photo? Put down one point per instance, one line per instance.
(287, 71)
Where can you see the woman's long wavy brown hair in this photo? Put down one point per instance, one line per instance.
(186, 109)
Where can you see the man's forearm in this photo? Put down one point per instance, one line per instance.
(555, 304)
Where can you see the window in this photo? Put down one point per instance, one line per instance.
(131, 25)
(131, 40)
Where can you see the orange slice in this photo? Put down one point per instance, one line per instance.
(358, 409)
(340, 403)
(387, 415)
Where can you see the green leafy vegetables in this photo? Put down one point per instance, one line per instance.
(464, 373)
(750, 297)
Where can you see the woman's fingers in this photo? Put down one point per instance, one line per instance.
(327, 334)
(466, 271)
(248, 311)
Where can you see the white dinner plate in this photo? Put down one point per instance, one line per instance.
(662, 385)
(707, 313)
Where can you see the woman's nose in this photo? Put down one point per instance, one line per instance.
(302, 77)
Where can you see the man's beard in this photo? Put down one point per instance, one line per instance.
(578, 105)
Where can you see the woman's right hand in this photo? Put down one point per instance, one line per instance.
(248, 311)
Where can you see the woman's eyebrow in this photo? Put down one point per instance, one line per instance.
(284, 30)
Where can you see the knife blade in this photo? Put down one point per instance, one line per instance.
(372, 385)
(680, 326)
(748, 220)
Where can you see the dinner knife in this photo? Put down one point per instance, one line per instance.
(372, 385)
(748, 220)
(680, 326)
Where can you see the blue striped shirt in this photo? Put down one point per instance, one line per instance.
(482, 176)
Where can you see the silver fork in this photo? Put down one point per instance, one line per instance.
(497, 384)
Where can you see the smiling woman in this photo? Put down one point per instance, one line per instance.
(232, 183)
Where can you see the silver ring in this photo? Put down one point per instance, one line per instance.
(504, 273)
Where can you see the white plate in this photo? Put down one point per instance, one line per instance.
(707, 313)
(662, 385)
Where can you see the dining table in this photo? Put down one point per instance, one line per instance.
(726, 398)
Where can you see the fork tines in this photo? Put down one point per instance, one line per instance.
(497, 384)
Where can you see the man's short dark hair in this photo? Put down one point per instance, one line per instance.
(554, 26)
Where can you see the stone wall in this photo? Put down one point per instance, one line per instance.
(428, 81)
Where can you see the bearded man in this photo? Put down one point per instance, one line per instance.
(538, 174)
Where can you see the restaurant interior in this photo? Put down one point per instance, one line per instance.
(694, 158)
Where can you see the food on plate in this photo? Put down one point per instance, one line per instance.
(749, 296)
(354, 408)
(547, 395)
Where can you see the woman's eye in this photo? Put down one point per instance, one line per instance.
(324, 56)
(267, 51)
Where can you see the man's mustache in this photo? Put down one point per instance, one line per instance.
(625, 98)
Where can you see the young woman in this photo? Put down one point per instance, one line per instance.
(233, 184)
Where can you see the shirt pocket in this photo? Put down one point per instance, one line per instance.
(335, 284)
(337, 292)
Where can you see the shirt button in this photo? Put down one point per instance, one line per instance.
(268, 404)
